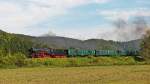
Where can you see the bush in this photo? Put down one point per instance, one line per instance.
(19, 60)
(81, 61)
(15, 60)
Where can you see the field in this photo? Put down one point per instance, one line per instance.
(124, 74)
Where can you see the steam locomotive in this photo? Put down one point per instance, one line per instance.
(63, 53)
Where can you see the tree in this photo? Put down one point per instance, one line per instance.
(11, 44)
(145, 46)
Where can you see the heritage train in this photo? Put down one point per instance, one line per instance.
(63, 53)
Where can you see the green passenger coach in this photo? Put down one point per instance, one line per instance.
(76, 52)
(106, 53)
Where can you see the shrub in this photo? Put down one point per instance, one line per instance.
(15, 60)
(81, 61)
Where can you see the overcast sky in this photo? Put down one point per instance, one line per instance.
(82, 19)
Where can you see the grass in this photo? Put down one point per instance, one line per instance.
(85, 61)
(126, 74)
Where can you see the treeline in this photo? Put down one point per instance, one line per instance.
(14, 49)
(12, 43)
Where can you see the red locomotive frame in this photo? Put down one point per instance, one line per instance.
(41, 53)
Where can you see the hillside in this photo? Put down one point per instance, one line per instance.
(65, 43)
(13, 43)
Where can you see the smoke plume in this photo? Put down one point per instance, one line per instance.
(126, 31)
(50, 33)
